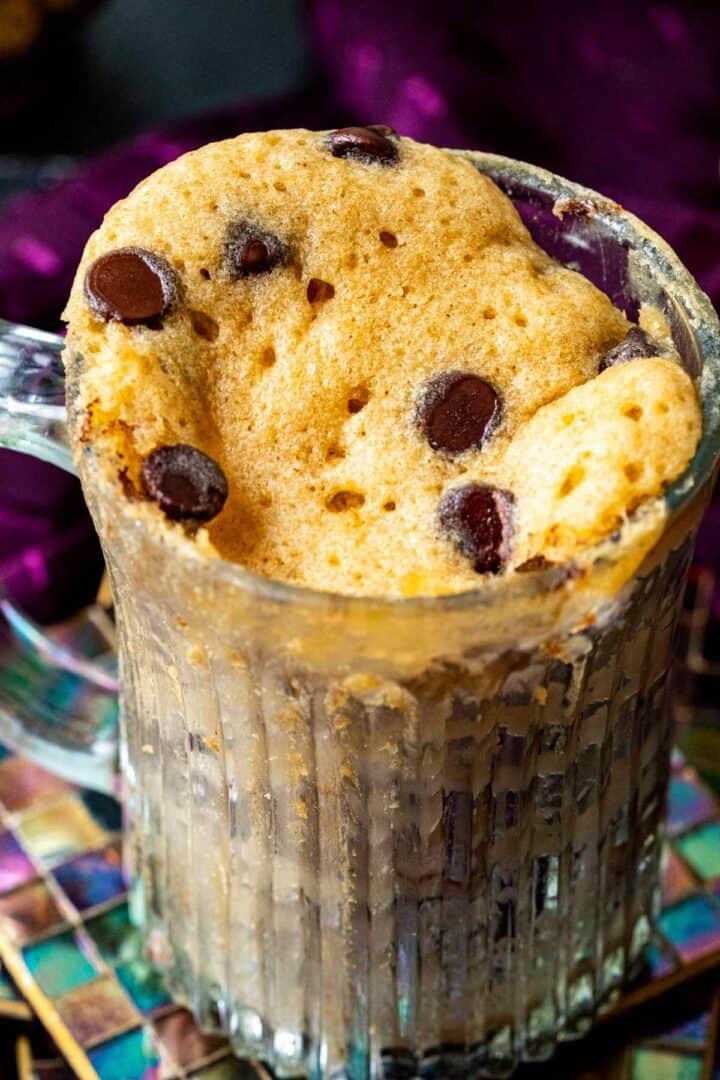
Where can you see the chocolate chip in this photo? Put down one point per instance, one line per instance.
(458, 411)
(383, 129)
(184, 482)
(636, 343)
(250, 250)
(479, 519)
(132, 286)
(366, 144)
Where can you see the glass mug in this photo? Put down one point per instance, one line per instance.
(375, 837)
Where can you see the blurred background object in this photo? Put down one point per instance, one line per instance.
(94, 96)
(32, 32)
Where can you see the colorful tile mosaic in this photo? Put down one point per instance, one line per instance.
(116, 939)
(677, 881)
(692, 928)
(65, 924)
(658, 962)
(689, 803)
(15, 867)
(97, 1011)
(130, 1057)
(69, 943)
(701, 849)
(58, 964)
(184, 1043)
(663, 1065)
(693, 1033)
(28, 912)
(60, 830)
(92, 878)
(143, 984)
(24, 784)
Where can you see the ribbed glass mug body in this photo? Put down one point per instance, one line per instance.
(391, 838)
(358, 872)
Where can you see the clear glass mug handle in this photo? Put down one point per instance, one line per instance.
(58, 685)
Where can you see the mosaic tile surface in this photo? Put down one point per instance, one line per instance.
(67, 938)
(69, 945)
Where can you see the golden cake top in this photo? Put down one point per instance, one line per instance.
(343, 356)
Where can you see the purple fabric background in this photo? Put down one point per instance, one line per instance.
(624, 97)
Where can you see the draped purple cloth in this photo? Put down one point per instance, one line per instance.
(625, 98)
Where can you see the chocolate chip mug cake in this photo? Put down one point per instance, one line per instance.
(397, 477)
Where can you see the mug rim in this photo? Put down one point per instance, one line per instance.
(671, 275)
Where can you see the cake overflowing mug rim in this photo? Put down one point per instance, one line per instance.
(654, 259)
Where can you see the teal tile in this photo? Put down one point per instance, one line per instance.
(701, 850)
(692, 927)
(129, 1057)
(689, 803)
(121, 945)
(143, 984)
(659, 1065)
(58, 964)
(659, 962)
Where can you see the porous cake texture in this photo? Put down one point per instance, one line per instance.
(340, 360)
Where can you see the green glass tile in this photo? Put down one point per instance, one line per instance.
(692, 927)
(63, 829)
(58, 964)
(701, 849)
(106, 810)
(129, 1057)
(144, 985)
(115, 938)
(658, 1065)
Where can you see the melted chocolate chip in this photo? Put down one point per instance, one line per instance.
(479, 520)
(131, 285)
(250, 250)
(636, 343)
(459, 411)
(366, 144)
(383, 129)
(184, 482)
